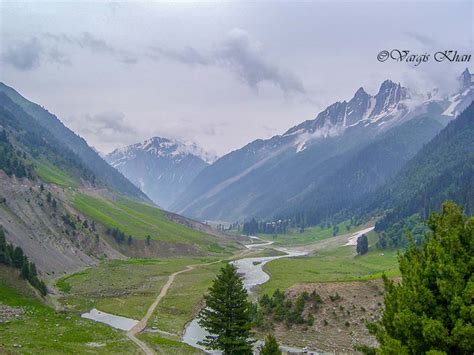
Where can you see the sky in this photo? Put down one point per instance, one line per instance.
(219, 74)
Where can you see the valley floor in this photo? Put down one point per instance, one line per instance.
(129, 287)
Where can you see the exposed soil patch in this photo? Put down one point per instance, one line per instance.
(31, 222)
(339, 322)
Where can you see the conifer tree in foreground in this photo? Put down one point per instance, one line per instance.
(226, 315)
(270, 347)
(431, 310)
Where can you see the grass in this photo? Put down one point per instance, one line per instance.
(50, 173)
(41, 330)
(334, 264)
(183, 298)
(168, 345)
(125, 288)
(140, 220)
(310, 235)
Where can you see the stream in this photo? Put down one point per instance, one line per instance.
(251, 270)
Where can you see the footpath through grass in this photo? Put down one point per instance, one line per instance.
(41, 330)
(183, 299)
(125, 288)
(340, 263)
(140, 220)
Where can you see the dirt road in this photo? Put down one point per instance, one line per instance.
(141, 325)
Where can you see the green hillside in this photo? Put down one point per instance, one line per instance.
(442, 170)
(38, 329)
(140, 220)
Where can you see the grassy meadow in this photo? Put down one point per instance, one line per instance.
(41, 330)
(183, 299)
(294, 237)
(338, 263)
(121, 287)
(52, 174)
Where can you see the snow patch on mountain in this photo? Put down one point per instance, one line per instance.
(392, 105)
(162, 147)
(160, 167)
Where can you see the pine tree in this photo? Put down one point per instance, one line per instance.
(33, 271)
(3, 247)
(226, 315)
(18, 257)
(362, 245)
(431, 309)
(25, 271)
(270, 347)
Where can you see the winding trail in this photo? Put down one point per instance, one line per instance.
(141, 325)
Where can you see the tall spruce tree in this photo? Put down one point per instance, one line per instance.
(362, 245)
(270, 347)
(431, 309)
(226, 315)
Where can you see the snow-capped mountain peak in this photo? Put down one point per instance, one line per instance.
(361, 109)
(459, 101)
(166, 148)
(161, 167)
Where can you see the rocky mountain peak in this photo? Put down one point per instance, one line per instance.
(388, 97)
(360, 93)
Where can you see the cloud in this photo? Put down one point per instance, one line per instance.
(96, 45)
(104, 127)
(187, 55)
(28, 54)
(240, 54)
(24, 55)
(57, 56)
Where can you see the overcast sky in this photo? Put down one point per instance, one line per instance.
(219, 74)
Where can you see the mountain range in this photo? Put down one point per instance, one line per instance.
(321, 165)
(160, 167)
(67, 208)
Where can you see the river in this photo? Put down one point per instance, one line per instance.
(253, 275)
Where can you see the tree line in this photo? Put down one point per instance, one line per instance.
(15, 257)
(120, 237)
(254, 227)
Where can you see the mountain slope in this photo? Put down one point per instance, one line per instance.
(88, 157)
(361, 171)
(442, 170)
(55, 208)
(160, 167)
(267, 178)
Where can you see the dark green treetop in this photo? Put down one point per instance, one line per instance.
(226, 315)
